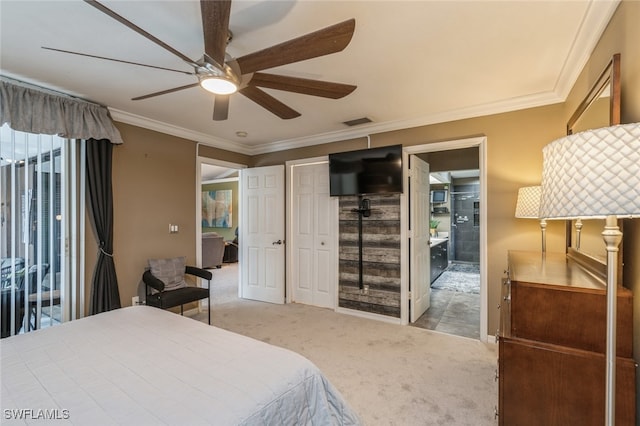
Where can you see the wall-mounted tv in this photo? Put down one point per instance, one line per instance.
(439, 196)
(366, 171)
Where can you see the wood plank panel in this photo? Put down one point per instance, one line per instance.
(381, 256)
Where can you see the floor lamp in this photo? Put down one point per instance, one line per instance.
(528, 207)
(596, 174)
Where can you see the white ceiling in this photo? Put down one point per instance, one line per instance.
(414, 62)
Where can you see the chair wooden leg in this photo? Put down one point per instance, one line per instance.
(181, 310)
(209, 309)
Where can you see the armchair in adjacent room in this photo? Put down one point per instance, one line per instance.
(231, 250)
(212, 250)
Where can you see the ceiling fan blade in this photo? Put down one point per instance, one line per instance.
(164, 92)
(269, 103)
(319, 43)
(102, 8)
(116, 60)
(221, 107)
(325, 89)
(215, 26)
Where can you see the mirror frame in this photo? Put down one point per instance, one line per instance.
(610, 76)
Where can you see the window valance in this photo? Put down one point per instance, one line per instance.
(30, 110)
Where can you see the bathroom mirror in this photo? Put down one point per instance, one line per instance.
(599, 108)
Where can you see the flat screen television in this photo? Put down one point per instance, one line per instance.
(366, 171)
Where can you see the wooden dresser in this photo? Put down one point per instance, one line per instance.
(552, 339)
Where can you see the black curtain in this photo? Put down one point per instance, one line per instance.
(104, 289)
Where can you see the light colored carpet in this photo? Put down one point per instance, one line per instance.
(390, 374)
(224, 284)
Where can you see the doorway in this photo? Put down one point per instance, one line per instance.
(213, 176)
(455, 283)
(462, 233)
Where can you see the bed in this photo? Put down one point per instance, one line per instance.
(141, 365)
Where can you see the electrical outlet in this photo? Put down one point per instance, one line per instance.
(135, 300)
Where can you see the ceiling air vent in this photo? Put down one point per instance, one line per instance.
(357, 121)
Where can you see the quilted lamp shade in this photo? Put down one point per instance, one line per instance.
(593, 174)
(528, 204)
(528, 207)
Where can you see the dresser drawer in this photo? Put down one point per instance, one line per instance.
(573, 317)
(542, 384)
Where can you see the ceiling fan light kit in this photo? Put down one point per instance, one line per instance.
(218, 85)
(216, 75)
(218, 81)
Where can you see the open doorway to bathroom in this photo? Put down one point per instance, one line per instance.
(455, 222)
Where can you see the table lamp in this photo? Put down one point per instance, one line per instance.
(528, 207)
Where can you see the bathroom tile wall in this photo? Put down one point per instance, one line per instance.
(465, 207)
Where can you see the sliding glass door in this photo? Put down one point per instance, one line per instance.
(41, 236)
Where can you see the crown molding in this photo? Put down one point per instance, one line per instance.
(594, 22)
(181, 132)
(514, 104)
(530, 101)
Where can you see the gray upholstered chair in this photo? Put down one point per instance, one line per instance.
(212, 250)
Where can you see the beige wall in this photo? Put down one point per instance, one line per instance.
(458, 159)
(221, 154)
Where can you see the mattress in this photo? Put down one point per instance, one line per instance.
(145, 366)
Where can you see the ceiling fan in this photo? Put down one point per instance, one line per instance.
(222, 75)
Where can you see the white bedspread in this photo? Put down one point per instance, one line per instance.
(144, 366)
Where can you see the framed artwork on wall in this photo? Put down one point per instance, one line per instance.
(217, 209)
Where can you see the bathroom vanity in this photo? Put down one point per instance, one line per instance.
(439, 257)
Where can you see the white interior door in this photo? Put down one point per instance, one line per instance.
(313, 251)
(262, 234)
(420, 261)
